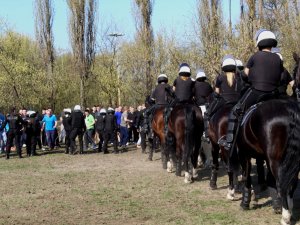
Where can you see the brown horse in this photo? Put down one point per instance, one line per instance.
(218, 128)
(183, 140)
(157, 125)
(271, 132)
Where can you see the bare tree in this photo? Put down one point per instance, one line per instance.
(43, 27)
(145, 33)
(83, 38)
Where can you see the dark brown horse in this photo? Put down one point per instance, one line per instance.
(183, 140)
(272, 133)
(218, 128)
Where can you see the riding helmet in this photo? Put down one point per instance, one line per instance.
(184, 70)
(201, 75)
(110, 110)
(239, 64)
(228, 64)
(265, 38)
(77, 108)
(162, 78)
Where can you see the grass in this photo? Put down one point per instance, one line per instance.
(113, 189)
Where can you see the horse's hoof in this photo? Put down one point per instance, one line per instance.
(213, 186)
(187, 178)
(286, 217)
(245, 206)
(230, 194)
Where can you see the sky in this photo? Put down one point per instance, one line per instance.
(170, 16)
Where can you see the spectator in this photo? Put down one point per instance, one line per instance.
(90, 128)
(49, 125)
(124, 129)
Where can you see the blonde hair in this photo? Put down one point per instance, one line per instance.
(230, 78)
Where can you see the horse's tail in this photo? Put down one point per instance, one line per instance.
(290, 163)
(189, 132)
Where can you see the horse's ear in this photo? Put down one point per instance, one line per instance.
(296, 57)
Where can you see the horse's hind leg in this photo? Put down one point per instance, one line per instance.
(215, 167)
(188, 171)
(194, 158)
(245, 204)
(150, 156)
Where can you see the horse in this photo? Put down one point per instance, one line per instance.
(270, 131)
(183, 140)
(217, 128)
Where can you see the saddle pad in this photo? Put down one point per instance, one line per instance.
(249, 112)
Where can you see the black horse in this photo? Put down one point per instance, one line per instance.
(271, 132)
(183, 140)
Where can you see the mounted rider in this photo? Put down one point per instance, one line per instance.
(160, 97)
(227, 89)
(203, 91)
(264, 70)
(183, 85)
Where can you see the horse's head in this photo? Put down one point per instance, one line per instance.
(297, 69)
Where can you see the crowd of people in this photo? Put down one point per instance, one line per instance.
(95, 128)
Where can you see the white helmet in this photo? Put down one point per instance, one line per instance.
(31, 113)
(200, 74)
(162, 78)
(265, 38)
(102, 111)
(67, 110)
(228, 63)
(239, 64)
(77, 108)
(184, 70)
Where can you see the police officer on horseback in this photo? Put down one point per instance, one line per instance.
(203, 91)
(227, 90)
(160, 97)
(67, 122)
(264, 70)
(184, 85)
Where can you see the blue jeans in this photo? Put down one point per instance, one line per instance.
(124, 135)
(50, 135)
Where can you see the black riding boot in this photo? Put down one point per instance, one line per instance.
(213, 179)
(246, 198)
(227, 141)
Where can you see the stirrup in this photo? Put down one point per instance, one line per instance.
(205, 139)
(222, 142)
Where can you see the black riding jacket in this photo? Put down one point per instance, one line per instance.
(184, 89)
(227, 92)
(202, 92)
(100, 119)
(110, 123)
(160, 94)
(265, 70)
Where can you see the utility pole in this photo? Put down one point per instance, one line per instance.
(116, 35)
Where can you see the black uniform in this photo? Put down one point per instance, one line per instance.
(161, 94)
(228, 94)
(265, 69)
(33, 131)
(202, 91)
(110, 132)
(78, 128)
(140, 121)
(100, 119)
(67, 122)
(15, 123)
(184, 89)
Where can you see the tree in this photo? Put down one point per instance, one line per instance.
(83, 38)
(145, 34)
(44, 34)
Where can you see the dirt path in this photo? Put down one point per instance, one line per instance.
(115, 189)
